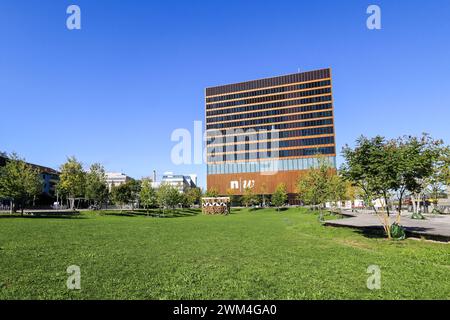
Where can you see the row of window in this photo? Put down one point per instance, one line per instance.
(306, 132)
(272, 154)
(271, 105)
(255, 122)
(270, 144)
(281, 126)
(265, 135)
(272, 112)
(294, 87)
(282, 96)
(269, 82)
(305, 142)
(269, 166)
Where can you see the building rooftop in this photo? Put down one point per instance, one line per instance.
(267, 82)
(41, 169)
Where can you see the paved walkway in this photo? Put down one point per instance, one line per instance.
(436, 227)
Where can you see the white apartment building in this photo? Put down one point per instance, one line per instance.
(116, 179)
(179, 181)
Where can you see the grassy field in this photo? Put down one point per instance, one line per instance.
(261, 254)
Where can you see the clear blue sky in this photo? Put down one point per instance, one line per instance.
(114, 91)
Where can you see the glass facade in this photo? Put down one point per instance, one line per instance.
(268, 165)
(271, 112)
(263, 154)
(266, 119)
(271, 98)
(269, 91)
(247, 145)
(276, 124)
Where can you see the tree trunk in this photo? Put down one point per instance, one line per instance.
(386, 203)
(418, 203)
(400, 203)
(71, 203)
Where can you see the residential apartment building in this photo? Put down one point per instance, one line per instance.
(50, 177)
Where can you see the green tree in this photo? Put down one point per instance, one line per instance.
(135, 190)
(212, 193)
(121, 194)
(234, 199)
(381, 167)
(280, 196)
(417, 165)
(19, 182)
(263, 190)
(168, 196)
(249, 198)
(147, 195)
(193, 196)
(338, 189)
(440, 177)
(72, 180)
(366, 167)
(185, 200)
(371, 167)
(96, 187)
(316, 186)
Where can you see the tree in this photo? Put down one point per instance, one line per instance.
(147, 195)
(121, 194)
(135, 189)
(381, 167)
(280, 196)
(417, 166)
(263, 193)
(338, 189)
(444, 175)
(249, 198)
(193, 196)
(19, 181)
(234, 199)
(212, 193)
(366, 167)
(316, 186)
(440, 177)
(72, 180)
(96, 187)
(370, 166)
(168, 196)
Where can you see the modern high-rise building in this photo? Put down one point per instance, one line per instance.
(265, 132)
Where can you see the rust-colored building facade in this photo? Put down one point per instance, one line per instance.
(265, 132)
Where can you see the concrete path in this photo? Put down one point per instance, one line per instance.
(436, 227)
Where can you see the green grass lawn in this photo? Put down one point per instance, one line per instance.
(261, 254)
